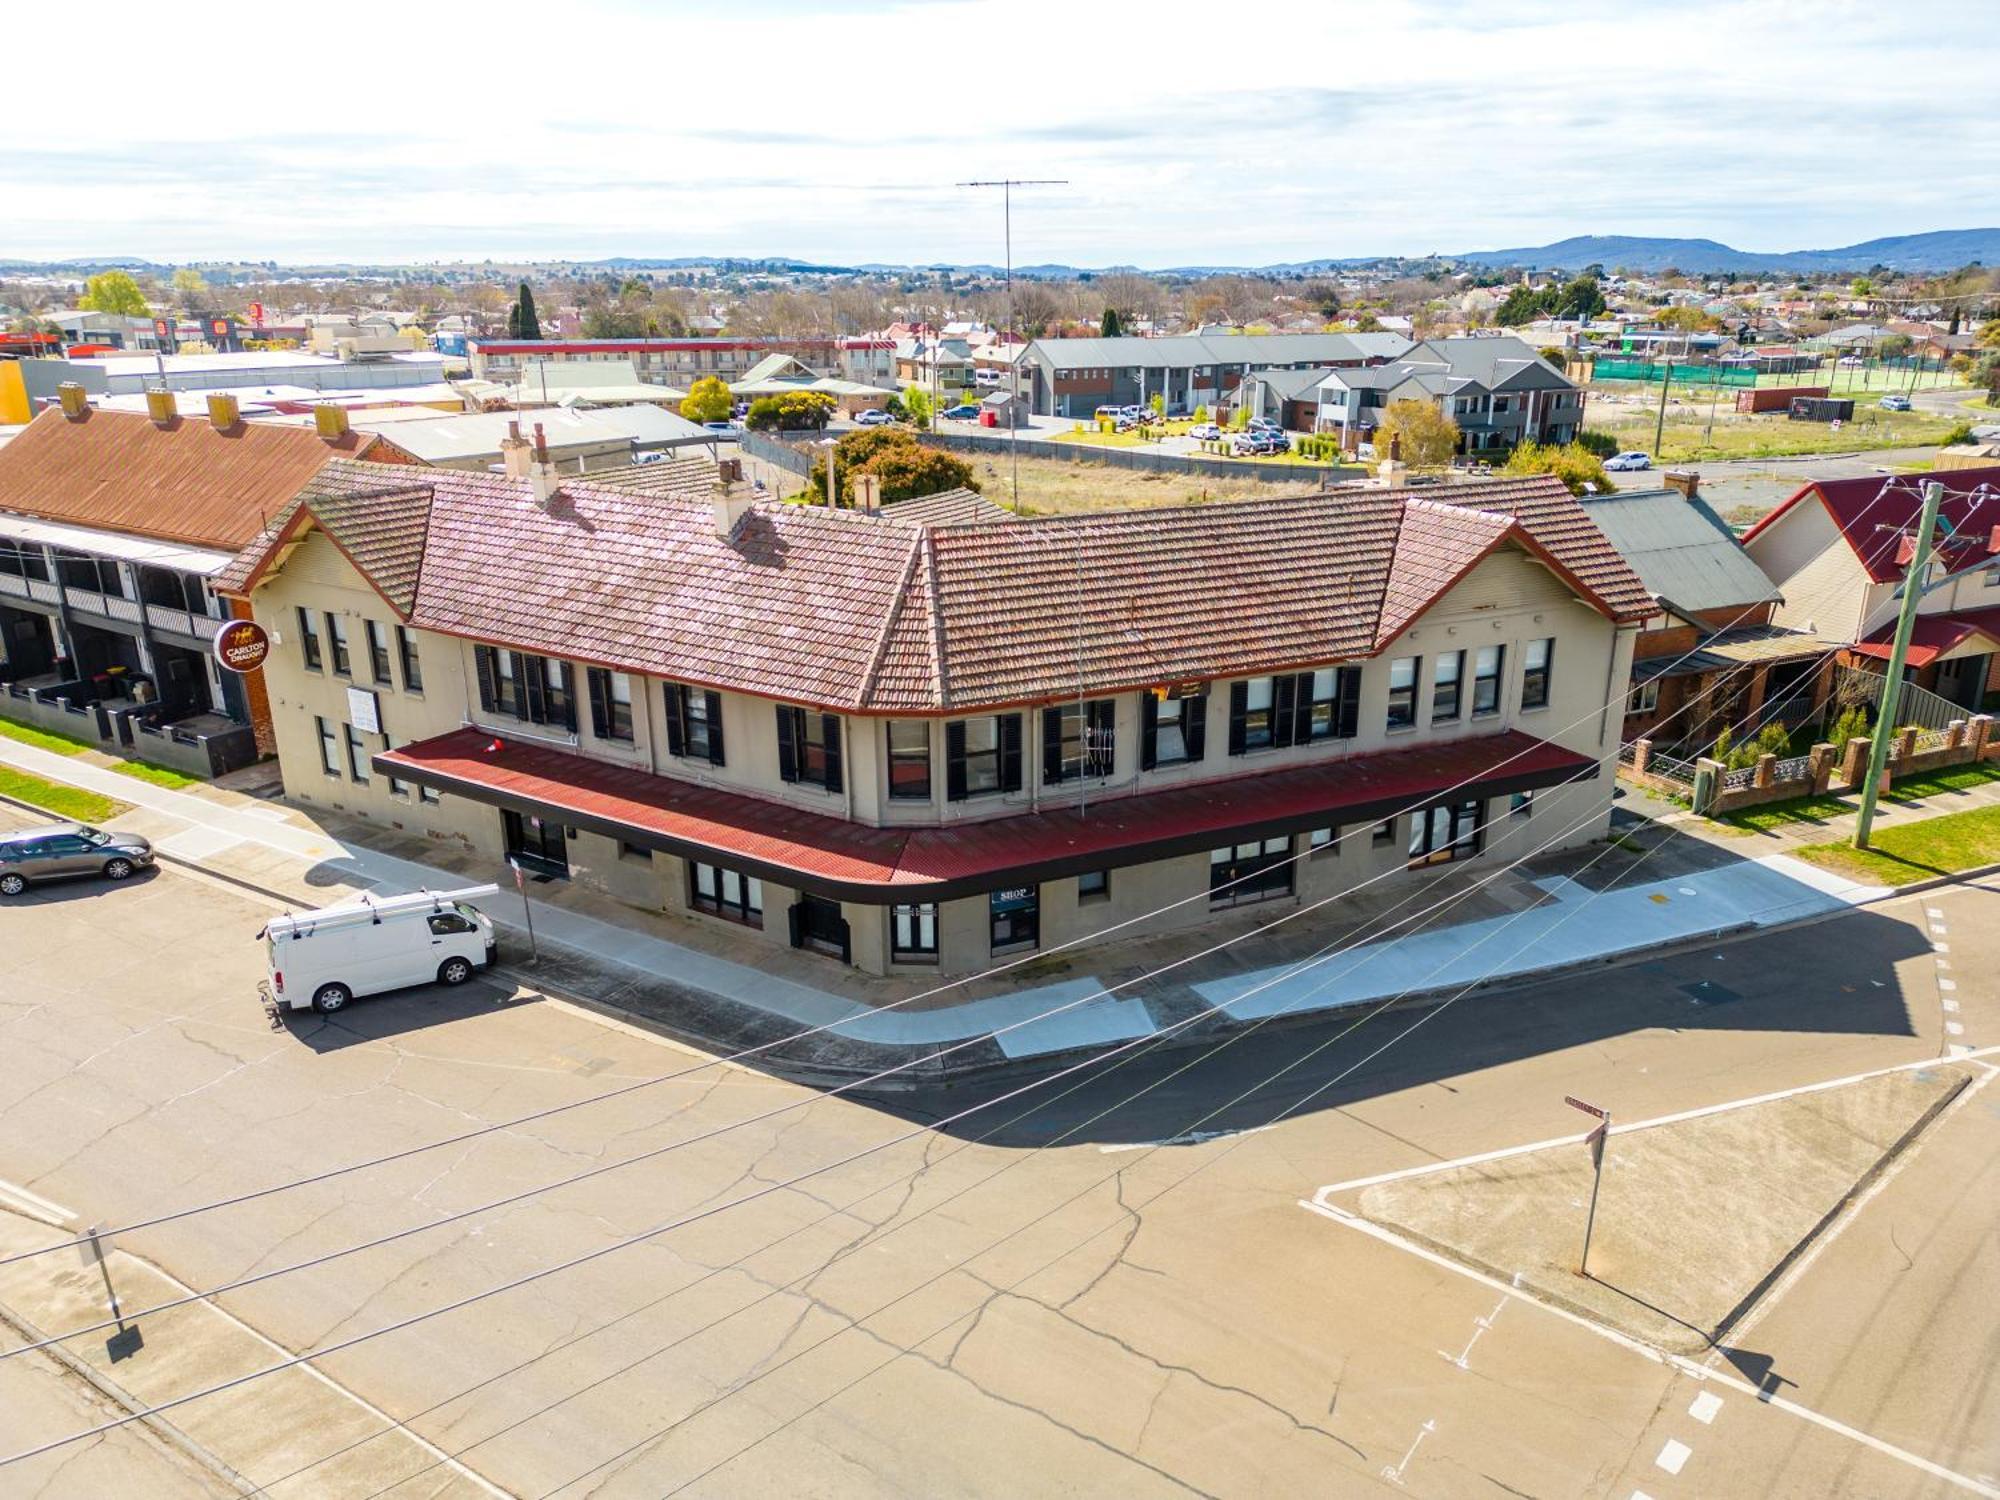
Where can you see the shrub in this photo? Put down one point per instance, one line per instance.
(1201, 413)
(1574, 465)
(1962, 433)
(1852, 724)
(1603, 444)
(906, 467)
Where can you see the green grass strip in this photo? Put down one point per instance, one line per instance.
(1910, 852)
(43, 739)
(61, 801)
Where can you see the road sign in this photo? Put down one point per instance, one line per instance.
(1595, 1140)
(1590, 1109)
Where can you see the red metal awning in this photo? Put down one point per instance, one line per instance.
(1934, 635)
(857, 862)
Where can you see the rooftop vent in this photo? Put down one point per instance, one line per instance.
(224, 415)
(75, 403)
(330, 421)
(160, 406)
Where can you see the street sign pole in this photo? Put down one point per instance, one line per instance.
(527, 909)
(1596, 1181)
(1595, 1140)
(1886, 712)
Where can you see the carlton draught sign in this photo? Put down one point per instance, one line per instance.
(241, 645)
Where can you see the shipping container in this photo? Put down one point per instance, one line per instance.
(1775, 397)
(1821, 409)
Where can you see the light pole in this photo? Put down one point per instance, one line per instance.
(1007, 186)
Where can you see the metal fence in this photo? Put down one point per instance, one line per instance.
(1793, 768)
(1916, 705)
(787, 456)
(1931, 739)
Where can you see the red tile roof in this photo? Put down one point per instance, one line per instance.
(879, 865)
(1933, 635)
(840, 610)
(1871, 510)
(186, 482)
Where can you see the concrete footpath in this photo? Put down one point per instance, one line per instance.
(1550, 913)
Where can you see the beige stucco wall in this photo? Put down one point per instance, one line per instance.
(1508, 599)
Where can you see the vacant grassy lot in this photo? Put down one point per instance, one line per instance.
(1052, 487)
(1917, 851)
(61, 801)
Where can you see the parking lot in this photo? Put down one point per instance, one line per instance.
(1106, 1284)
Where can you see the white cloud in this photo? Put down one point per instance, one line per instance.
(837, 131)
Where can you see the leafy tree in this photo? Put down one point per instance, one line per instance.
(906, 467)
(1109, 327)
(793, 411)
(1580, 298)
(1572, 463)
(1688, 320)
(1851, 725)
(1158, 402)
(607, 320)
(1522, 304)
(1323, 297)
(917, 405)
(1863, 286)
(191, 287)
(114, 292)
(522, 322)
(1988, 336)
(1422, 434)
(708, 400)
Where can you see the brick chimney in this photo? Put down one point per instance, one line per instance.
(224, 415)
(1687, 481)
(75, 402)
(542, 475)
(516, 453)
(160, 406)
(732, 497)
(330, 421)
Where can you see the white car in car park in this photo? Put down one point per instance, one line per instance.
(1622, 461)
(325, 958)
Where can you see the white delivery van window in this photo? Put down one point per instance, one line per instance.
(450, 921)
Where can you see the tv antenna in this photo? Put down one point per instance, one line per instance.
(1007, 186)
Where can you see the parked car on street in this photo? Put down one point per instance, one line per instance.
(68, 851)
(872, 419)
(719, 427)
(1205, 432)
(1895, 403)
(1260, 444)
(325, 958)
(1619, 462)
(967, 411)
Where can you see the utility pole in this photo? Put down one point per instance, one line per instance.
(1007, 186)
(1892, 684)
(1660, 427)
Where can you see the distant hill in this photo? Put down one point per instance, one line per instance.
(1940, 250)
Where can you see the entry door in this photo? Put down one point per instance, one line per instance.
(1963, 680)
(817, 924)
(539, 844)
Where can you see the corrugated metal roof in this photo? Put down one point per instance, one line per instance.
(1186, 349)
(186, 482)
(1681, 549)
(854, 860)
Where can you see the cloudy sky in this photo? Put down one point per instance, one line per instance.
(1187, 132)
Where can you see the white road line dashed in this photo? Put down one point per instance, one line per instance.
(1954, 1028)
(1947, 984)
(1704, 1407)
(1675, 1454)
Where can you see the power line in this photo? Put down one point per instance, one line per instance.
(601, 1251)
(1124, 1213)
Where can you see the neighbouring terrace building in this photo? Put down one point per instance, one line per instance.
(112, 525)
(910, 742)
(1710, 656)
(681, 362)
(1497, 389)
(1073, 377)
(1839, 548)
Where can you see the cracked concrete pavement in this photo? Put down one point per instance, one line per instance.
(1036, 1299)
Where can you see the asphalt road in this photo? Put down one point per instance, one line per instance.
(1040, 1297)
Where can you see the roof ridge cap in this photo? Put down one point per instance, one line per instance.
(929, 555)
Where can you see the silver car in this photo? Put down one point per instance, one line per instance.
(61, 851)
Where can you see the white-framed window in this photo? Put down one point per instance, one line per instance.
(913, 933)
(1645, 698)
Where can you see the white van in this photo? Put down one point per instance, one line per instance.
(325, 958)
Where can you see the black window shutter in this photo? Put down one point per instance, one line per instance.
(1284, 702)
(1350, 703)
(1052, 749)
(714, 728)
(1194, 725)
(565, 676)
(829, 727)
(796, 916)
(1149, 731)
(1010, 752)
(788, 748)
(1302, 709)
(1239, 707)
(954, 761)
(483, 667)
(534, 672)
(600, 701)
(677, 731)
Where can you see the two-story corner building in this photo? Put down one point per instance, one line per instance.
(111, 526)
(922, 745)
(1497, 388)
(1711, 655)
(1073, 377)
(681, 362)
(1839, 549)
